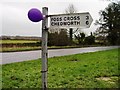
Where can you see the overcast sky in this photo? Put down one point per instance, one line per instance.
(15, 21)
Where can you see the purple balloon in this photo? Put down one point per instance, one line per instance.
(35, 15)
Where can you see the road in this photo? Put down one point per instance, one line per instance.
(12, 57)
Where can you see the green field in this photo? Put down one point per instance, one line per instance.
(18, 41)
(16, 49)
(27, 48)
(12, 45)
(15, 45)
(89, 70)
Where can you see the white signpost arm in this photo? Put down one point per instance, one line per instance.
(44, 48)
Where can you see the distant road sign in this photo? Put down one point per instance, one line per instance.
(81, 20)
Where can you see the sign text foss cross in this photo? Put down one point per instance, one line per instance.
(80, 20)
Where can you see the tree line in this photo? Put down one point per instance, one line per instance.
(62, 38)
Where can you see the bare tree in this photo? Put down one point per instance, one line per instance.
(71, 9)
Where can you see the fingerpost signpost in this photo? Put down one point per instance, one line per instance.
(80, 20)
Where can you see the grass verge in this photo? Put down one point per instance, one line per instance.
(89, 70)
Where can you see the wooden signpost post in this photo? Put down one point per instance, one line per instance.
(81, 20)
(44, 48)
